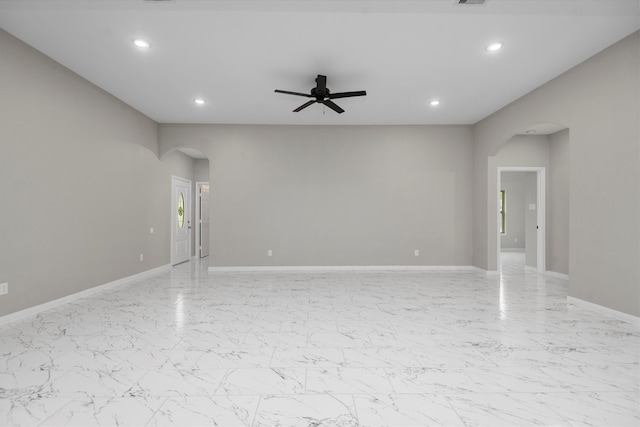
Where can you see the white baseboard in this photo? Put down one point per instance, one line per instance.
(558, 275)
(327, 268)
(604, 310)
(32, 311)
(512, 250)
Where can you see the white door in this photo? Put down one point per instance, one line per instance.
(180, 220)
(204, 220)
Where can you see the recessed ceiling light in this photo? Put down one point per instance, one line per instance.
(199, 101)
(142, 44)
(494, 47)
(434, 103)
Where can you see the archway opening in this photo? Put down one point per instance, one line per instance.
(535, 161)
(189, 226)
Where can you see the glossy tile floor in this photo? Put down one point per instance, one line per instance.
(189, 348)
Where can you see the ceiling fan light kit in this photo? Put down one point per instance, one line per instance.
(322, 95)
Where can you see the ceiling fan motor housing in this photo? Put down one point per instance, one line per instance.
(320, 94)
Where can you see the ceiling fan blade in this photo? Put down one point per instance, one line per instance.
(303, 106)
(333, 106)
(346, 94)
(293, 93)
(321, 84)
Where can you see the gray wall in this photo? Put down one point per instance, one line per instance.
(599, 102)
(558, 203)
(201, 170)
(335, 195)
(80, 183)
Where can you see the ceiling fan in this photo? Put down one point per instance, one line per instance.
(322, 95)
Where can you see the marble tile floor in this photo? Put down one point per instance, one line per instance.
(389, 348)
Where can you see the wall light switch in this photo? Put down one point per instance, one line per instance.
(151, 230)
(532, 206)
(416, 252)
(269, 252)
(4, 288)
(141, 257)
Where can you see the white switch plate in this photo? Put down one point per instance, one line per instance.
(532, 206)
(269, 252)
(151, 230)
(4, 288)
(416, 252)
(141, 257)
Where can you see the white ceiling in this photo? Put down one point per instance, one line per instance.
(403, 53)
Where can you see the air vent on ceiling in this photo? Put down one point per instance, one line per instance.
(470, 1)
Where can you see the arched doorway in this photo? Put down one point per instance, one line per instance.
(190, 170)
(541, 151)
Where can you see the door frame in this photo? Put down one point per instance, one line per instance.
(198, 218)
(174, 217)
(541, 213)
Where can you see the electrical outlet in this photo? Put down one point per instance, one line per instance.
(141, 257)
(269, 252)
(4, 288)
(416, 252)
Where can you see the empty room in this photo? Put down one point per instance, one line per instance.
(319, 213)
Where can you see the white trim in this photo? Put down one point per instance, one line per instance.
(312, 268)
(556, 274)
(606, 311)
(32, 311)
(512, 250)
(197, 218)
